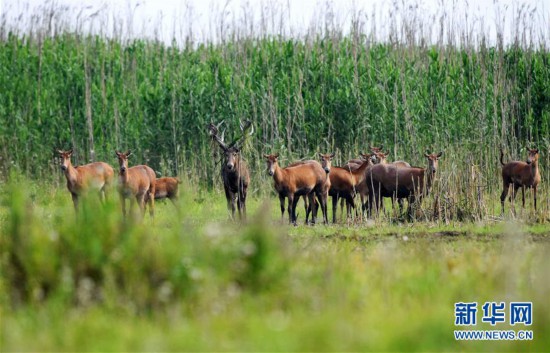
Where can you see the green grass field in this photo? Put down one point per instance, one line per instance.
(196, 281)
(200, 282)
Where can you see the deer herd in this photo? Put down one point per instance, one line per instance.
(370, 176)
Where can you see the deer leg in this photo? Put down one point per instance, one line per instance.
(282, 202)
(505, 188)
(335, 207)
(230, 202)
(311, 205)
(151, 203)
(324, 198)
(523, 196)
(75, 201)
(291, 216)
(350, 206)
(140, 199)
(123, 204)
(307, 207)
(535, 197)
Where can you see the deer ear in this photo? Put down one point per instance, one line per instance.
(440, 154)
(60, 151)
(426, 155)
(128, 153)
(237, 150)
(332, 155)
(69, 152)
(276, 156)
(536, 150)
(266, 156)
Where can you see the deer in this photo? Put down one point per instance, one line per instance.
(234, 170)
(382, 158)
(386, 180)
(344, 183)
(520, 175)
(96, 176)
(138, 182)
(167, 187)
(308, 178)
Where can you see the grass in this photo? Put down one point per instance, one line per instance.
(200, 282)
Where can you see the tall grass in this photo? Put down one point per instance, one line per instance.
(66, 84)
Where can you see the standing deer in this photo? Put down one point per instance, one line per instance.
(138, 181)
(96, 176)
(520, 175)
(382, 158)
(386, 180)
(234, 170)
(305, 178)
(344, 183)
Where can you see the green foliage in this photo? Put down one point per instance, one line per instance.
(198, 282)
(321, 94)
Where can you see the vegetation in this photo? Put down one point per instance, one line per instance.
(193, 280)
(95, 282)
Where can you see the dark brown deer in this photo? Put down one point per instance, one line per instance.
(96, 176)
(234, 170)
(520, 175)
(344, 183)
(386, 180)
(136, 182)
(306, 178)
(167, 187)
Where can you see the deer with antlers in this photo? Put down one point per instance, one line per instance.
(138, 182)
(96, 176)
(234, 170)
(520, 175)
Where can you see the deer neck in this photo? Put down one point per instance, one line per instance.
(124, 177)
(71, 174)
(278, 174)
(535, 168)
(429, 178)
(359, 173)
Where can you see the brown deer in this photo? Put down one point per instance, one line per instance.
(138, 181)
(386, 180)
(234, 170)
(344, 183)
(96, 176)
(167, 187)
(520, 175)
(382, 158)
(305, 178)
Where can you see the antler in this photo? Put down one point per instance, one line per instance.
(213, 131)
(247, 129)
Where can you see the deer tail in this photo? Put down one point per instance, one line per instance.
(501, 157)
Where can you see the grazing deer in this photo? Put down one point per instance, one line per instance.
(96, 176)
(234, 170)
(167, 187)
(138, 181)
(520, 175)
(308, 178)
(344, 183)
(386, 180)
